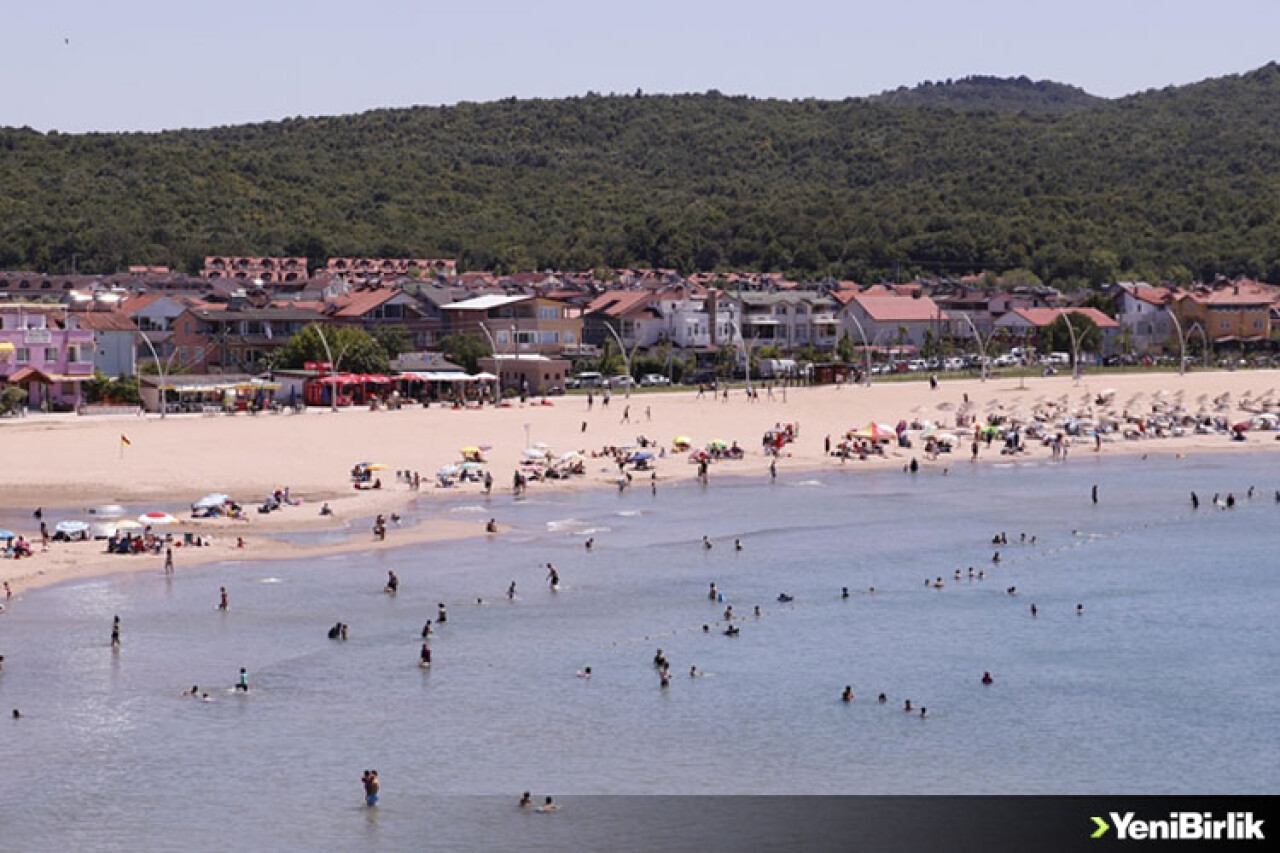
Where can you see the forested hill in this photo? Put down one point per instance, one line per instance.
(1013, 94)
(1166, 183)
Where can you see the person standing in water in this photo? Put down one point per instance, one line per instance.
(115, 633)
(371, 787)
(393, 583)
(242, 683)
(441, 616)
(424, 656)
(223, 601)
(511, 592)
(553, 577)
(168, 560)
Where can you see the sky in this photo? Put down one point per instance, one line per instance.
(107, 65)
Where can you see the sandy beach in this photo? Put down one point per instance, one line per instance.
(66, 462)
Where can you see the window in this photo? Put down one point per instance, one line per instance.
(549, 312)
(68, 388)
(23, 355)
(502, 337)
(568, 337)
(182, 355)
(1226, 325)
(50, 353)
(198, 356)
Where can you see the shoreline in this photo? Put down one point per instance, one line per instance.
(154, 479)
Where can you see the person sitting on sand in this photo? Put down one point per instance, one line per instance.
(325, 510)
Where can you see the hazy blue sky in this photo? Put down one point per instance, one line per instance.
(152, 64)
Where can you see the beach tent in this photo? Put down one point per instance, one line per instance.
(534, 453)
(71, 528)
(127, 524)
(682, 442)
(213, 500)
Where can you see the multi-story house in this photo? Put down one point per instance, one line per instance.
(790, 319)
(1236, 312)
(1144, 316)
(43, 352)
(266, 270)
(516, 324)
(894, 320)
(387, 269)
(236, 337)
(115, 340)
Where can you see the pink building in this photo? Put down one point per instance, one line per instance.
(43, 353)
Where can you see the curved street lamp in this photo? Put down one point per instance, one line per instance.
(497, 365)
(866, 347)
(1204, 339)
(746, 353)
(626, 357)
(333, 368)
(1075, 347)
(164, 402)
(982, 345)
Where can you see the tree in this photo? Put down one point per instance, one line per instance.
(11, 399)
(354, 350)
(844, 348)
(394, 340)
(1058, 338)
(465, 350)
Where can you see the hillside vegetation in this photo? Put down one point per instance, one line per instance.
(1171, 184)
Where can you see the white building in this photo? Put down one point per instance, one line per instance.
(1143, 315)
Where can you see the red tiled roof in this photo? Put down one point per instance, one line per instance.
(1154, 295)
(616, 303)
(105, 321)
(357, 303)
(899, 309)
(1041, 317)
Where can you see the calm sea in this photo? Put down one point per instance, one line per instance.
(1168, 682)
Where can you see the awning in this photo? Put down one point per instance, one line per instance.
(29, 374)
(437, 376)
(6, 348)
(761, 321)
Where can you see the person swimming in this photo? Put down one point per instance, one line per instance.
(585, 672)
(844, 592)
(659, 659)
(664, 679)
(737, 544)
(756, 611)
(882, 698)
(441, 616)
(728, 613)
(548, 806)
(714, 592)
(193, 692)
(1034, 609)
(906, 706)
(693, 672)
(731, 631)
(426, 629)
(784, 598)
(924, 712)
(526, 800)
(1013, 590)
(511, 591)
(847, 695)
(706, 543)
(336, 631)
(590, 543)
(986, 678)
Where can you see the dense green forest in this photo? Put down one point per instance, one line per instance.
(1165, 184)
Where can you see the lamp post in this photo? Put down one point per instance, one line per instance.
(497, 365)
(333, 368)
(1204, 339)
(164, 402)
(746, 353)
(1075, 348)
(866, 347)
(626, 357)
(982, 345)
(1182, 342)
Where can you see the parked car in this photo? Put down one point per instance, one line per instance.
(589, 379)
(622, 380)
(654, 379)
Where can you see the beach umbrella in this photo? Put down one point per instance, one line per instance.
(156, 518)
(534, 453)
(108, 511)
(6, 535)
(682, 439)
(876, 432)
(642, 456)
(128, 524)
(571, 456)
(470, 466)
(540, 445)
(376, 466)
(470, 450)
(71, 528)
(211, 501)
(717, 443)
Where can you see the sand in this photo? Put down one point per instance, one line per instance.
(69, 461)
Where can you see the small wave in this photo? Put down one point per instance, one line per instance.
(469, 508)
(271, 580)
(564, 525)
(628, 513)
(591, 531)
(809, 483)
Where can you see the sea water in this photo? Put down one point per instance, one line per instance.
(1167, 682)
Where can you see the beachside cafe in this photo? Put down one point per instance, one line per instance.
(207, 393)
(350, 389)
(446, 386)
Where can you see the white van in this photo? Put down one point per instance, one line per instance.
(590, 379)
